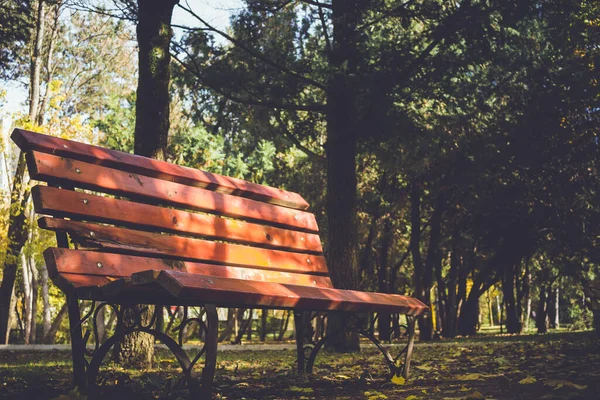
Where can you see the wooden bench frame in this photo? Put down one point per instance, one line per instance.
(222, 242)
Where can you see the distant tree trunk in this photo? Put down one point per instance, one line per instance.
(527, 294)
(508, 289)
(46, 312)
(557, 308)
(541, 317)
(284, 325)
(596, 313)
(449, 329)
(154, 35)
(469, 314)
(263, 324)
(551, 308)
(26, 298)
(51, 334)
(34, 299)
(423, 276)
(229, 327)
(382, 276)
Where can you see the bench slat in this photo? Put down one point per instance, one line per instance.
(244, 293)
(68, 203)
(66, 261)
(128, 241)
(27, 141)
(47, 167)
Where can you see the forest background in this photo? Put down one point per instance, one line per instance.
(448, 148)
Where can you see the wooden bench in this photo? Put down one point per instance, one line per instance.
(133, 230)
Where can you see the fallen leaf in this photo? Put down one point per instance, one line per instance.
(301, 390)
(475, 396)
(558, 383)
(398, 380)
(469, 377)
(528, 380)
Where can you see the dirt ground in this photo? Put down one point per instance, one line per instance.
(556, 366)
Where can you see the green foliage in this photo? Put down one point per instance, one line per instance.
(16, 21)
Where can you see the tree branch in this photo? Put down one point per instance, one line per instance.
(319, 108)
(259, 56)
(318, 4)
(294, 139)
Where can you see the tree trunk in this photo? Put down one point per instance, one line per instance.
(34, 299)
(551, 308)
(422, 279)
(341, 148)
(508, 289)
(263, 324)
(17, 235)
(469, 314)
(154, 35)
(26, 301)
(51, 334)
(449, 330)
(36, 63)
(557, 308)
(226, 334)
(382, 276)
(17, 228)
(541, 317)
(46, 313)
(284, 325)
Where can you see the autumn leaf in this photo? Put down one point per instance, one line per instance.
(557, 384)
(398, 380)
(374, 395)
(469, 377)
(301, 390)
(528, 380)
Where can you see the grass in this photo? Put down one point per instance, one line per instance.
(555, 366)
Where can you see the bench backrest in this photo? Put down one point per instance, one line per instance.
(125, 214)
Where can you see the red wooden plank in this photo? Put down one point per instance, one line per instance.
(128, 241)
(68, 203)
(61, 261)
(244, 293)
(47, 167)
(27, 141)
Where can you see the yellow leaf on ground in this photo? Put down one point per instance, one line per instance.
(398, 380)
(475, 396)
(469, 377)
(375, 395)
(528, 380)
(301, 390)
(413, 397)
(558, 383)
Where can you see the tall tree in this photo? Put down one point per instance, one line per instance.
(152, 123)
(154, 35)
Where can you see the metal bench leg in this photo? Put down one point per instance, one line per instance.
(77, 342)
(410, 321)
(210, 360)
(299, 326)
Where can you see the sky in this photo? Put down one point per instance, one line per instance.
(215, 12)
